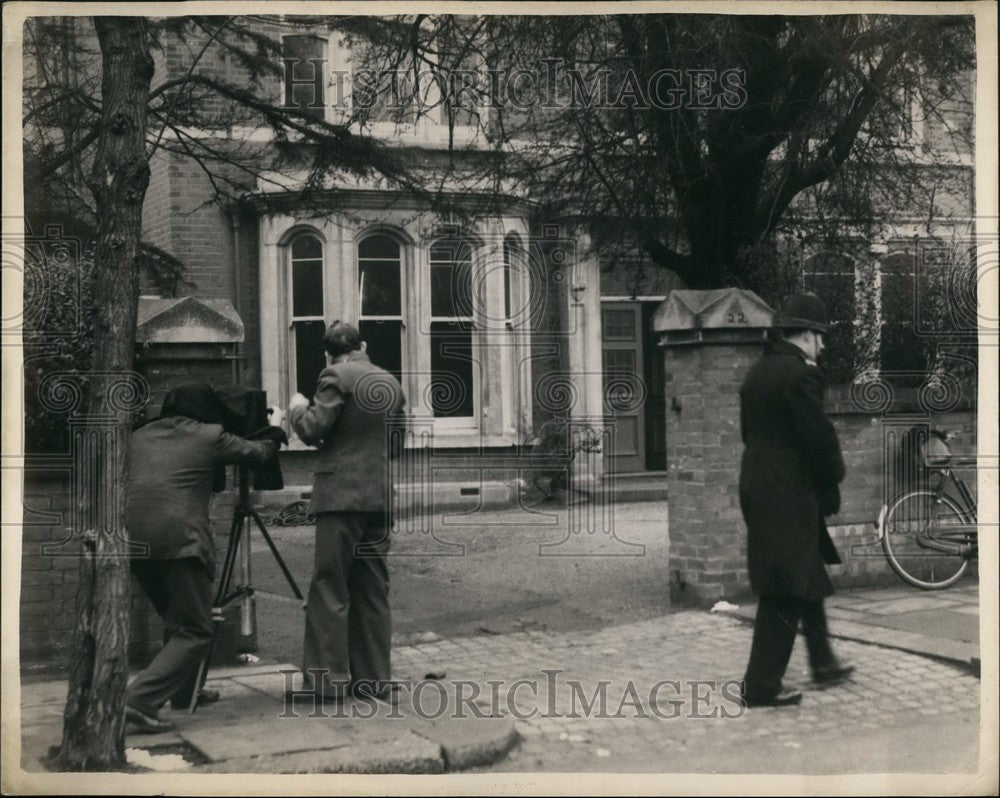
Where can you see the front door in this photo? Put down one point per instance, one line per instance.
(621, 350)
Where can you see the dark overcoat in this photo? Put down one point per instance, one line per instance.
(791, 467)
(349, 421)
(172, 462)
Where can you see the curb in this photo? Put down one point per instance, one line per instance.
(457, 754)
(481, 755)
(418, 752)
(971, 664)
(421, 746)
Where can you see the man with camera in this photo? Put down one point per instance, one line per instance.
(348, 625)
(175, 462)
(789, 477)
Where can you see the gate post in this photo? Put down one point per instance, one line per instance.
(710, 340)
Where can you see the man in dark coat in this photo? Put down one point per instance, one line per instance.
(173, 463)
(348, 624)
(789, 477)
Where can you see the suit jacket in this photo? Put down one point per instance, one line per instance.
(789, 474)
(171, 466)
(355, 407)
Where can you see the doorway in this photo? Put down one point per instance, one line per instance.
(631, 358)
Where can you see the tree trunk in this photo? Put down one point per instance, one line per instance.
(94, 726)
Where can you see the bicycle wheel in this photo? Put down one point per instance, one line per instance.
(918, 515)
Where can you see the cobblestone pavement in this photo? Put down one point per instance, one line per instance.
(900, 711)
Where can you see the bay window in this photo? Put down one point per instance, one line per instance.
(440, 310)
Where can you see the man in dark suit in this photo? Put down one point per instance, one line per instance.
(173, 463)
(789, 477)
(348, 625)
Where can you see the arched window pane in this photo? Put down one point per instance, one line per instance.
(306, 269)
(380, 290)
(379, 276)
(379, 247)
(307, 276)
(307, 247)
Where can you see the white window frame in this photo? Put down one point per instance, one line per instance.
(288, 261)
(325, 77)
(405, 358)
(475, 421)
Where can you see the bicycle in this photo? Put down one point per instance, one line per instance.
(929, 533)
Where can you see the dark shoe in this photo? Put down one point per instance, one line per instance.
(204, 697)
(367, 689)
(785, 698)
(149, 724)
(829, 675)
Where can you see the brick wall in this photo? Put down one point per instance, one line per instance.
(50, 573)
(48, 583)
(176, 219)
(156, 205)
(870, 440)
(707, 532)
(199, 236)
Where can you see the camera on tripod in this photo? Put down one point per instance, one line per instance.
(246, 415)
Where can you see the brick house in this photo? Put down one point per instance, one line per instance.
(493, 324)
(495, 321)
(488, 320)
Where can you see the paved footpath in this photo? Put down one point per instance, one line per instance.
(655, 695)
(255, 729)
(943, 623)
(900, 712)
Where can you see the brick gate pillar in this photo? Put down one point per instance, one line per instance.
(710, 339)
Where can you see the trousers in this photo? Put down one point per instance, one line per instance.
(775, 627)
(181, 593)
(348, 622)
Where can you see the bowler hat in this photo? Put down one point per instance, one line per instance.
(804, 312)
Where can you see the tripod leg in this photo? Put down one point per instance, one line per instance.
(281, 563)
(239, 525)
(225, 577)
